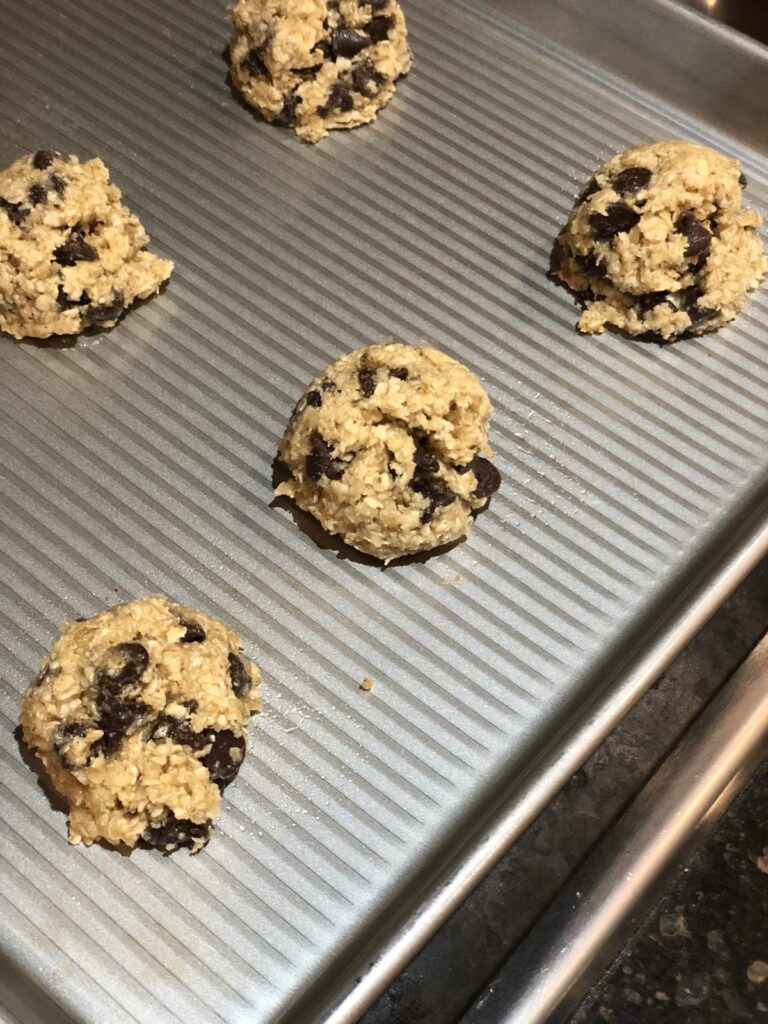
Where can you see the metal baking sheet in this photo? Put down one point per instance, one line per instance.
(140, 460)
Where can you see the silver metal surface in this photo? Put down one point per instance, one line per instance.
(634, 499)
(578, 936)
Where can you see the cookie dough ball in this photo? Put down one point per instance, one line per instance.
(71, 255)
(387, 448)
(315, 65)
(138, 716)
(658, 243)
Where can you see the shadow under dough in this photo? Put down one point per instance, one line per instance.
(94, 332)
(311, 528)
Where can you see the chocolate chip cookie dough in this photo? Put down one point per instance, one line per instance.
(658, 243)
(314, 65)
(388, 446)
(139, 717)
(71, 255)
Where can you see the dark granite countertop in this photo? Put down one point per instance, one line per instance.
(701, 956)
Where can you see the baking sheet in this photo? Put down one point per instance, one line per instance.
(140, 460)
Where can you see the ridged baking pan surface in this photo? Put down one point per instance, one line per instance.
(141, 461)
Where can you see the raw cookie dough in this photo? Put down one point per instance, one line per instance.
(139, 716)
(386, 448)
(71, 255)
(318, 64)
(658, 243)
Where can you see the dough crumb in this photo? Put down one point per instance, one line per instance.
(757, 972)
(659, 244)
(451, 581)
(367, 684)
(72, 255)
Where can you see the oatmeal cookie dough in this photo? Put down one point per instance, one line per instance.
(388, 446)
(71, 255)
(314, 65)
(139, 717)
(658, 243)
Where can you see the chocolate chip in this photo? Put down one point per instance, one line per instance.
(437, 494)
(423, 459)
(287, 115)
(592, 266)
(400, 372)
(177, 730)
(378, 28)
(58, 185)
(339, 98)
(37, 194)
(345, 42)
(320, 462)
(74, 249)
(487, 476)
(688, 300)
(328, 385)
(62, 736)
(313, 398)
(253, 63)
(700, 314)
(367, 380)
(14, 211)
(365, 78)
(67, 730)
(124, 665)
(238, 677)
(118, 684)
(699, 239)
(743, 180)
(687, 297)
(375, 5)
(645, 303)
(425, 462)
(631, 180)
(617, 218)
(225, 757)
(195, 634)
(64, 301)
(589, 190)
(306, 73)
(116, 717)
(43, 159)
(98, 314)
(173, 833)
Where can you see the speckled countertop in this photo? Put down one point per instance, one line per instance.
(701, 956)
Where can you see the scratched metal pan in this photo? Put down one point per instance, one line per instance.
(634, 490)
